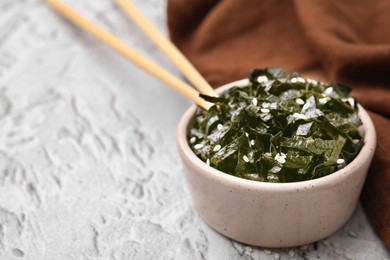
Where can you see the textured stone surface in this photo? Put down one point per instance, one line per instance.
(88, 163)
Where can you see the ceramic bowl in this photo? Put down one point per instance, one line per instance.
(274, 214)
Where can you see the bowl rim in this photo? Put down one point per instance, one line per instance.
(207, 171)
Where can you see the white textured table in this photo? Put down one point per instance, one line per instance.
(88, 163)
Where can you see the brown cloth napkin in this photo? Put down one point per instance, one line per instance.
(346, 41)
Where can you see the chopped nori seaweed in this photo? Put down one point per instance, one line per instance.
(278, 128)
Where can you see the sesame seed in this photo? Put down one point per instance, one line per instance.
(299, 116)
(265, 104)
(274, 169)
(340, 161)
(324, 100)
(291, 253)
(299, 101)
(300, 79)
(306, 106)
(193, 139)
(217, 148)
(277, 256)
(268, 252)
(252, 142)
(281, 160)
(245, 158)
(262, 79)
(328, 91)
(265, 110)
(198, 146)
(254, 101)
(268, 154)
(219, 127)
(314, 82)
(355, 141)
(280, 155)
(208, 161)
(310, 141)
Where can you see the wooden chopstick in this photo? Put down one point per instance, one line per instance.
(130, 53)
(168, 48)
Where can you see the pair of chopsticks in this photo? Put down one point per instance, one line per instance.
(145, 63)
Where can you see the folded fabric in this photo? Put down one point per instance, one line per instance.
(346, 41)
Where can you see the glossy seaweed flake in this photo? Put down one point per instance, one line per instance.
(279, 128)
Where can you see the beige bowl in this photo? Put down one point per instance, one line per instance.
(274, 214)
